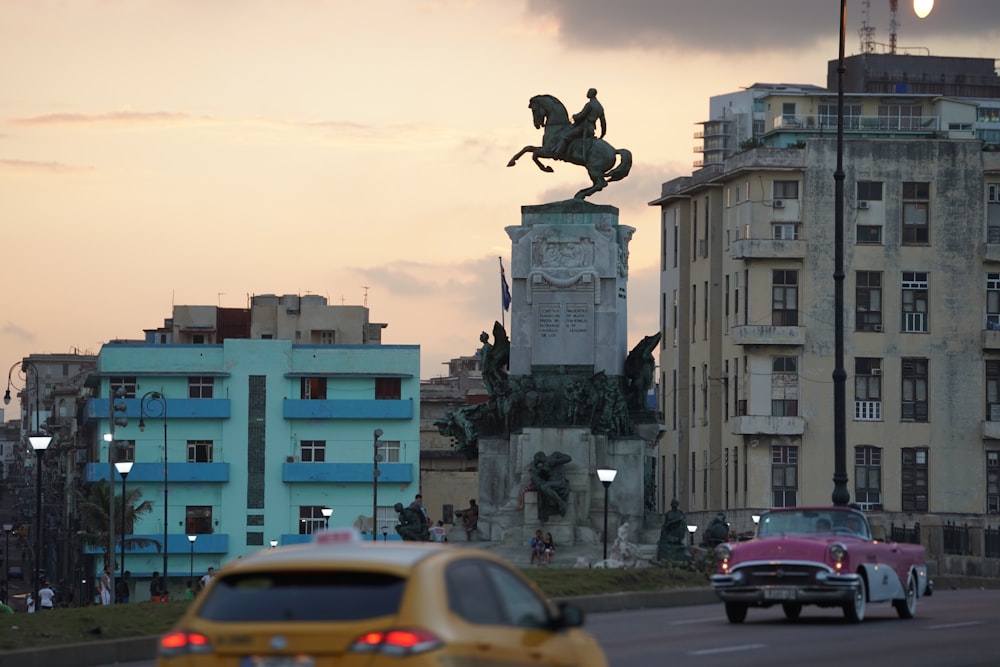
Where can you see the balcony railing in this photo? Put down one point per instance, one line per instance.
(828, 123)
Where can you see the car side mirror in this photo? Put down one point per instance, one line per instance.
(570, 616)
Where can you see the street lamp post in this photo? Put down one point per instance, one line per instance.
(274, 543)
(841, 495)
(375, 474)
(7, 527)
(691, 531)
(606, 475)
(191, 540)
(326, 512)
(39, 443)
(385, 533)
(148, 399)
(123, 468)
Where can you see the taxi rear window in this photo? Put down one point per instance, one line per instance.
(303, 596)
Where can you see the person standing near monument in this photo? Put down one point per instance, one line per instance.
(470, 519)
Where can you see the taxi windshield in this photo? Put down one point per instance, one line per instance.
(303, 596)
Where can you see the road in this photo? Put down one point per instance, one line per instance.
(953, 628)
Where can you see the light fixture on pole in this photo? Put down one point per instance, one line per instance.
(148, 400)
(191, 539)
(606, 475)
(841, 495)
(375, 474)
(274, 543)
(326, 512)
(117, 416)
(7, 527)
(39, 443)
(691, 531)
(123, 468)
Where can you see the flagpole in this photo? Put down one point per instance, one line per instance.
(503, 314)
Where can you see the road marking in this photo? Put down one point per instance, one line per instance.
(695, 620)
(728, 649)
(948, 626)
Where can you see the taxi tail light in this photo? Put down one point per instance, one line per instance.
(397, 642)
(181, 643)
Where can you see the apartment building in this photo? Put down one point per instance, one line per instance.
(747, 303)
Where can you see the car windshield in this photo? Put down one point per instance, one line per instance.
(303, 596)
(813, 522)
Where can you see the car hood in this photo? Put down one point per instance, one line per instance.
(787, 547)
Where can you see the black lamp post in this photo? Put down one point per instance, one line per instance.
(606, 475)
(375, 474)
(123, 468)
(149, 399)
(385, 533)
(691, 531)
(191, 540)
(841, 495)
(326, 512)
(7, 527)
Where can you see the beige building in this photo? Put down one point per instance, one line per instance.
(747, 305)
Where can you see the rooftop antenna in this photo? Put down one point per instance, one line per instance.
(867, 30)
(366, 295)
(893, 24)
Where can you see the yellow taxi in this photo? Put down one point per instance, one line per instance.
(346, 602)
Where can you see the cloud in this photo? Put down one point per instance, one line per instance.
(43, 167)
(12, 330)
(713, 26)
(114, 117)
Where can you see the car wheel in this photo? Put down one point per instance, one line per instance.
(907, 607)
(854, 610)
(736, 612)
(792, 610)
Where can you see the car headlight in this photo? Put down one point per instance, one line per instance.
(723, 552)
(838, 552)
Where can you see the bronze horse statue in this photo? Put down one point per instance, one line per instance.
(596, 155)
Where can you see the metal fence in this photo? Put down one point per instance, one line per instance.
(904, 534)
(957, 540)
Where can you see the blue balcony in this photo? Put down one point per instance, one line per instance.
(216, 543)
(177, 473)
(319, 473)
(347, 409)
(177, 408)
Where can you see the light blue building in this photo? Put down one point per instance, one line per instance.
(242, 444)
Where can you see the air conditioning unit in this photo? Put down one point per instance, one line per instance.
(754, 442)
(291, 459)
(877, 328)
(779, 203)
(876, 371)
(862, 204)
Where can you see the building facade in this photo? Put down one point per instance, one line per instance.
(747, 306)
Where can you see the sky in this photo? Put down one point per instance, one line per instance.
(196, 152)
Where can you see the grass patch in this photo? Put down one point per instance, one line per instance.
(74, 625)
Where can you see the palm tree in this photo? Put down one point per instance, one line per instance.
(94, 512)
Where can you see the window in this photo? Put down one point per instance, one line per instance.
(993, 482)
(993, 212)
(914, 479)
(992, 390)
(311, 519)
(993, 301)
(388, 389)
(786, 231)
(784, 475)
(915, 297)
(867, 389)
(199, 451)
(784, 387)
(828, 116)
(868, 301)
(916, 208)
(198, 519)
(313, 389)
(125, 383)
(389, 451)
(914, 390)
(313, 451)
(200, 387)
(868, 476)
(786, 190)
(868, 234)
(899, 116)
(869, 191)
(325, 337)
(124, 450)
(784, 298)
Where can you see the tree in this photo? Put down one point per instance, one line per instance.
(94, 512)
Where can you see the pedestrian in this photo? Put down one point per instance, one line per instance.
(206, 579)
(548, 549)
(123, 589)
(157, 589)
(30, 604)
(105, 586)
(437, 532)
(470, 519)
(189, 591)
(537, 547)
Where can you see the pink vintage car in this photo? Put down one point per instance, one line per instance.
(824, 556)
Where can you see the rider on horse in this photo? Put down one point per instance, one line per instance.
(585, 122)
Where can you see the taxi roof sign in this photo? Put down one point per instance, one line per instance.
(337, 536)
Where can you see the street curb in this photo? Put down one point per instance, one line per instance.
(680, 597)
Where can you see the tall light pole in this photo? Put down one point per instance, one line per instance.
(123, 468)
(606, 475)
(326, 512)
(841, 495)
(149, 399)
(7, 527)
(191, 540)
(116, 404)
(375, 474)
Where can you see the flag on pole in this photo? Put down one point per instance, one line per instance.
(504, 287)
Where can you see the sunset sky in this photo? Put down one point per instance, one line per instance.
(159, 152)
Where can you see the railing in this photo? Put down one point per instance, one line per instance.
(828, 123)
(957, 539)
(904, 534)
(991, 542)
